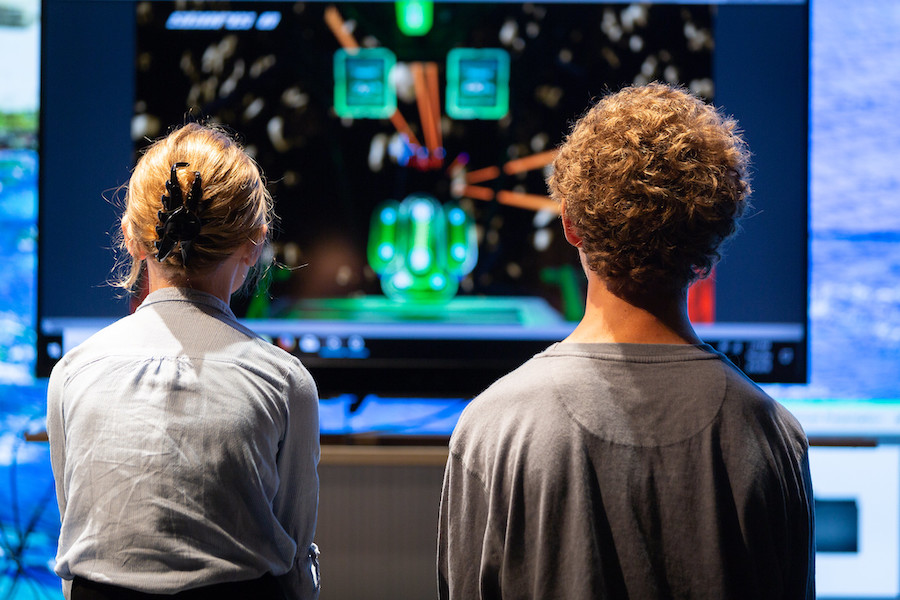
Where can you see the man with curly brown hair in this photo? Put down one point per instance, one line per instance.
(632, 460)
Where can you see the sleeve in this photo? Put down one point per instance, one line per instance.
(297, 500)
(56, 434)
(781, 516)
(797, 492)
(469, 556)
(806, 533)
(57, 437)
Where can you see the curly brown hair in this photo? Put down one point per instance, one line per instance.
(237, 207)
(653, 180)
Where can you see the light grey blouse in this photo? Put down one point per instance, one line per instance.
(184, 449)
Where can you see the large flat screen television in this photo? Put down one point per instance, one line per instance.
(406, 145)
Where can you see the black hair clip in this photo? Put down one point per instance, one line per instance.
(179, 221)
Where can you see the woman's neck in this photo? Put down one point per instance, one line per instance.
(220, 281)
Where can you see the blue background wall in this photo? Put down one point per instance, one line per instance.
(854, 278)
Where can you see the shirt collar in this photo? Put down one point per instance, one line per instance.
(176, 294)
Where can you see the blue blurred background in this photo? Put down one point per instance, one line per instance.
(854, 290)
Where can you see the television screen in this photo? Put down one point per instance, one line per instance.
(407, 145)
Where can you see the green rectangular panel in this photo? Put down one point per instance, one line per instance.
(362, 86)
(477, 83)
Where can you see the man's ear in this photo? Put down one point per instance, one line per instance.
(568, 227)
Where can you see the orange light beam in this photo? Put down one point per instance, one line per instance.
(478, 192)
(529, 163)
(403, 127)
(424, 104)
(335, 23)
(527, 201)
(434, 92)
(482, 175)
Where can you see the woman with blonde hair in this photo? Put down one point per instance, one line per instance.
(184, 447)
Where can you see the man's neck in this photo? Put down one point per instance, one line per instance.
(658, 318)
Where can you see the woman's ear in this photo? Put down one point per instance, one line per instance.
(134, 249)
(255, 247)
(568, 227)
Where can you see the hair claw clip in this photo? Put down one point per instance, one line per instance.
(179, 223)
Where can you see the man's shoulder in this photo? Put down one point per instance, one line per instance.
(530, 381)
(744, 392)
(521, 400)
(747, 405)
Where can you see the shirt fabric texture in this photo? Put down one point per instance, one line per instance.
(184, 449)
(626, 471)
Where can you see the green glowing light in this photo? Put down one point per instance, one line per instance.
(421, 249)
(415, 17)
(383, 236)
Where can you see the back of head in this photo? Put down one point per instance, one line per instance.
(654, 180)
(234, 206)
